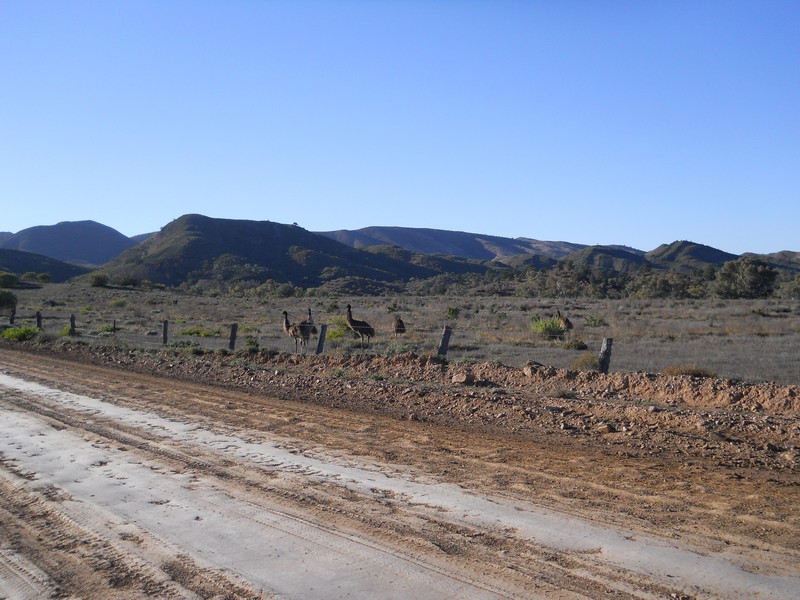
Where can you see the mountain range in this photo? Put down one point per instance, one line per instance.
(193, 248)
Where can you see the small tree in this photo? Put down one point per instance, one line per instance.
(98, 280)
(745, 278)
(790, 287)
(8, 280)
(8, 301)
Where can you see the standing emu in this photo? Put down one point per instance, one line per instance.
(307, 329)
(398, 326)
(292, 330)
(566, 324)
(362, 329)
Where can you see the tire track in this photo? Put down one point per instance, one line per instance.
(230, 461)
(171, 506)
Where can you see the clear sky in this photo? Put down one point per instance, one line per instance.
(592, 121)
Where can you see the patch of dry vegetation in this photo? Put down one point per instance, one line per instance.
(753, 340)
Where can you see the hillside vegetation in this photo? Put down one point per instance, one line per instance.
(223, 256)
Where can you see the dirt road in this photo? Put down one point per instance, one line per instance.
(125, 485)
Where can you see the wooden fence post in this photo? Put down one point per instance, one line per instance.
(445, 343)
(114, 326)
(38, 319)
(72, 325)
(232, 341)
(323, 330)
(13, 315)
(166, 330)
(605, 355)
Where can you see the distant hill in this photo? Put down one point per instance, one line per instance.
(85, 243)
(194, 247)
(19, 263)
(608, 258)
(474, 246)
(780, 260)
(687, 257)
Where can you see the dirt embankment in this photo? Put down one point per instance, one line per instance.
(742, 425)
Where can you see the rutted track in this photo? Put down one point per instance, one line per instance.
(207, 491)
(171, 485)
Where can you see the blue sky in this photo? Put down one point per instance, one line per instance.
(596, 122)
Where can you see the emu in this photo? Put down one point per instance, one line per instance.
(307, 329)
(566, 324)
(362, 329)
(292, 330)
(398, 326)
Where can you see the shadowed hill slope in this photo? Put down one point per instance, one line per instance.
(608, 258)
(195, 247)
(684, 256)
(19, 263)
(451, 243)
(84, 243)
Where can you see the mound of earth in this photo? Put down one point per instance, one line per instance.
(634, 414)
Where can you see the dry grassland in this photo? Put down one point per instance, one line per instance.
(751, 340)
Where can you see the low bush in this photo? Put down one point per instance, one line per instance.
(337, 330)
(20, 334)
(98, 280)
(251, 344)
(550, 327)
(586, 362)
(595, 321)
(575, 345)
(200, 331)
(395, 349)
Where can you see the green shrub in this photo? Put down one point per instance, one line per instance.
(251, 344)
(98, 280)
(575, 345)
(395, 349)
(20, 334)
(200, 331)
(690, 370)
(595, 321)
(586, 362)
(550, 327)
(337, 330)
(246, 364)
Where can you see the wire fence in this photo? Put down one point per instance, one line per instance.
(167, 334)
